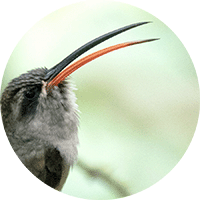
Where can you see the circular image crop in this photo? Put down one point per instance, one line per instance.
(132, 116)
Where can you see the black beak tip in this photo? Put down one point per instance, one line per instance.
(154, 39)
(54, 71)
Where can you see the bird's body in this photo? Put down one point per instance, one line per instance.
(43, 129)
(39, 113)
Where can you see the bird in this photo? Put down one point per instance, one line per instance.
(40, 114)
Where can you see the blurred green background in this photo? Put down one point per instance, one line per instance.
(139, 106)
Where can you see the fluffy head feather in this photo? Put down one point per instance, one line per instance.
(32, 115)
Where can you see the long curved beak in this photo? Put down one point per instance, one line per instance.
(58, 73)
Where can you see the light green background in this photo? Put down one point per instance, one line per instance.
(139, 106)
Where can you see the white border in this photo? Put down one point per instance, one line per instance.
(182, 17)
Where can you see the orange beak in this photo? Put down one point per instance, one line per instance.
(62, 70)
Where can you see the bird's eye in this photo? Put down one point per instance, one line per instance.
(32, 93)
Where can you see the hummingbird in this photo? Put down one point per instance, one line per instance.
(40, 114)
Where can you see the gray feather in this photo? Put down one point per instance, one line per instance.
(44, 133)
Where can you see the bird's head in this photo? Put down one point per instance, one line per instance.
(31, 108)
(41, 101)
